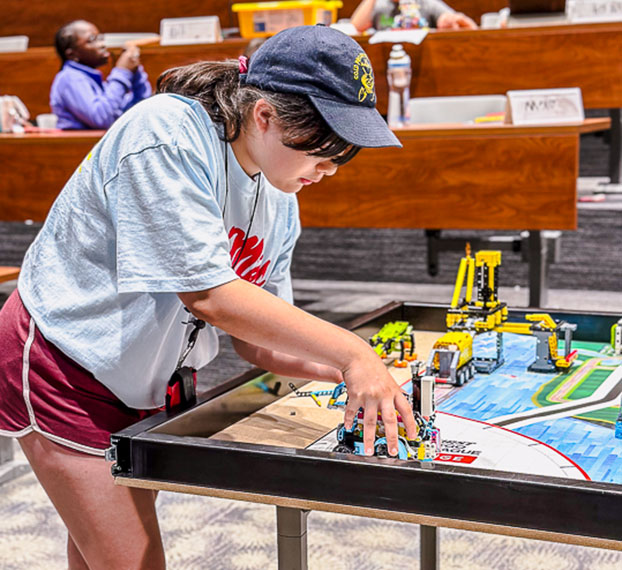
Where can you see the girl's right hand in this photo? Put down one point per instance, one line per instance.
(371, 387)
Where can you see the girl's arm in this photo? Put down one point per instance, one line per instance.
(285, 364)
(257, 317)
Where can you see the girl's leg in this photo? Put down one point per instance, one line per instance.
(74, 558)
(111, 526)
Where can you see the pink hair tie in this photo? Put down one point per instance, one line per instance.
(243, 63)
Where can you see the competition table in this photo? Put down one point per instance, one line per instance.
(252, 439)
(445, 177)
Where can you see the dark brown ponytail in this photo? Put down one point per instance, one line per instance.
(217, 86)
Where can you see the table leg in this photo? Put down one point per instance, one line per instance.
(291, 527)
(538, 274)
(615, 149)
(428, 555)
(9, 467)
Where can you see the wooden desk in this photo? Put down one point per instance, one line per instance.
(478, 62)
(8, 273)
(461, 177)
(35, 168)
(457, 177)
(446, 63)
(445, 177)
(42, 18)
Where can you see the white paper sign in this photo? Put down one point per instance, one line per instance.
(545, 106)
(13, 43)
(179, 31)
(399, 36)
(594, 10)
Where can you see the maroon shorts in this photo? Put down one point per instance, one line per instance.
(43, 390)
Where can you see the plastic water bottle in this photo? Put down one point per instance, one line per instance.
(398, 75)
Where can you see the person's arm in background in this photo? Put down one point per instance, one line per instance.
(141, 88)
(140, 85)
(362, 18)
(369, 12)
(443, 17)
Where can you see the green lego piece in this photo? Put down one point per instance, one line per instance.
(387, 339)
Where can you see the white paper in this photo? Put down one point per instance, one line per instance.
(399, 36)
(181, 31)
(546, 106)
(594, 10)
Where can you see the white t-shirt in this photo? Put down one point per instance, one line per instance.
(140, 220)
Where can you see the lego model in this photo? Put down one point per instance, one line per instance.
(487, 314)
(334, 394)
(394, 336)
(546, 329)
(616, 345)
(451, 358)
(616, 338)
(427, 444)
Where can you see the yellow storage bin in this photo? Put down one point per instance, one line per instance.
(264, 19)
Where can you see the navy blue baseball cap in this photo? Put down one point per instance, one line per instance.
(333, 71)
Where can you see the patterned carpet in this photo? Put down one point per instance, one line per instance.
(215, 534)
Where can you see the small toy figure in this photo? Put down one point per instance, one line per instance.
(409, 17)
(396, 335)
(616, 338)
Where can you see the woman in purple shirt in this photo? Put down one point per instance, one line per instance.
(79, 97)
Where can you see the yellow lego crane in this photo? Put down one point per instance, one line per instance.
(487, 314)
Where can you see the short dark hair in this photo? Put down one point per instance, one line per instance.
(217, 86)
(65, 38)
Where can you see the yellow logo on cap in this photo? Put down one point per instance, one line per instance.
(363, 72)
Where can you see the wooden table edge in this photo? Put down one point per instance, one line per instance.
(452, 130)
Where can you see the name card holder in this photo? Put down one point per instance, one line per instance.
(181, 31)
(588, 11)
(545, 106)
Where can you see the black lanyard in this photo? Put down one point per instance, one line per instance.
(192, 339)
(224, 209)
